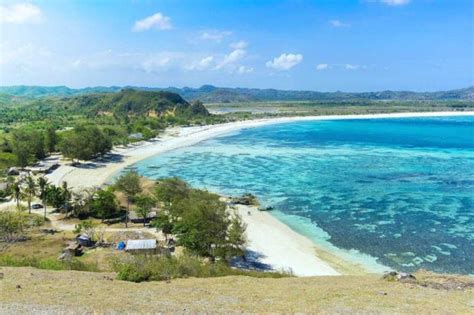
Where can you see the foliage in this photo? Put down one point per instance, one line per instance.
(11, 226)
(199, 220)
(153, 268)
(129, 184)
(85, 143)
(104, 204)
(27, 145)
(88, 228)
(144, 205)
(46, 263)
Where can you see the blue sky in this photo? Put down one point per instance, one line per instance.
(358, 45)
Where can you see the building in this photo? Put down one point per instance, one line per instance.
(142, 246)
(135, 218)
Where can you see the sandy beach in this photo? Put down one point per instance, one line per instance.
(278, 245)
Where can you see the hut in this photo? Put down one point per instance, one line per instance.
(84, 240)
(134, 218)
(141, 246)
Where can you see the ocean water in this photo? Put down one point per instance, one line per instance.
(399, 192)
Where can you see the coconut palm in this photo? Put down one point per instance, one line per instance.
(16, 188)
(43, 186)
(30, 191)
(67, 195)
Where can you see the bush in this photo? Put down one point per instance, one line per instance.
(46, 263)
(153, 268)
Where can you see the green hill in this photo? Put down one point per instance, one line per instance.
(130, 101)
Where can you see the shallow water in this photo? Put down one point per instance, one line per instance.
(399, 190)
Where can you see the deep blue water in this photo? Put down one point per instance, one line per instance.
(399, 190)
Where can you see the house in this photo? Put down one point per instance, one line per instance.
(135, 218)
(136, 136)
(141, 246)
(84, 240)
(13, 171)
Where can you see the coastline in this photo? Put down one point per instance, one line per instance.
(285, 249)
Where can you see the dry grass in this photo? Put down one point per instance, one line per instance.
(79, 292)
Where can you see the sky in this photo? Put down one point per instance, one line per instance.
(326, 45)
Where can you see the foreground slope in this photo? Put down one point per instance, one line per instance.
(32, 290)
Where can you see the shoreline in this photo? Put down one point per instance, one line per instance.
(287, 249)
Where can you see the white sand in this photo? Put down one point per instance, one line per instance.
(281, 247)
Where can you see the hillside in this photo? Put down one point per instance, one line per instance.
(28, 290)
(136, 102)
(212, 94)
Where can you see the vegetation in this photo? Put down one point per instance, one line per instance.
(199, 220)
(129, 184)
(142, 268)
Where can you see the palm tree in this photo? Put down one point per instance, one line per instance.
(43, 186)
(16, 188)
(129, 184)
(66, 194)
(30, 191)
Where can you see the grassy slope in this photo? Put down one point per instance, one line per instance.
(76, 292)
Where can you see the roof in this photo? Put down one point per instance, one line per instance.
(140, 244)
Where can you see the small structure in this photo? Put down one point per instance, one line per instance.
(13, 171)
(141, 246)
(136, 136)
(84, 240)
(134, 218)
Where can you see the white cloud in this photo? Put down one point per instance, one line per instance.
(214, 35)
(21, 13)
(338, 24)
(322, 66)
(395, 2)
(352, 67)
(285, 61)
(244, 69)
(231, 58)
(239, 45)
(202, 64)
(156, 21)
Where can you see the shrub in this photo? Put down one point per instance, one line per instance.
(46, 263)
(153, 268)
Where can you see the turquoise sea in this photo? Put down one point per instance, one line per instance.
(399, 191)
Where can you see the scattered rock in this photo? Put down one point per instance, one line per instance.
(246, 200)
(2, 276)
(399, 276)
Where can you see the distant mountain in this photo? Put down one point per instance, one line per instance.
(212, 94)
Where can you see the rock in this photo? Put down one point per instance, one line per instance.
(18, 287)
(2, 276)
(402, 276)
(246, 200)
(399, 276)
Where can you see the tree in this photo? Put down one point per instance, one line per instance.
(104, 204)
(16, 188)
(144, 205)
(129, 184)
(54, 196)
(171, 190)
(236, 239)
(27, 145)
(163, 222)
(66, 196)
(43, 185)
(30, 191)
(85, 143)
(11, 226)
(51, 139)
